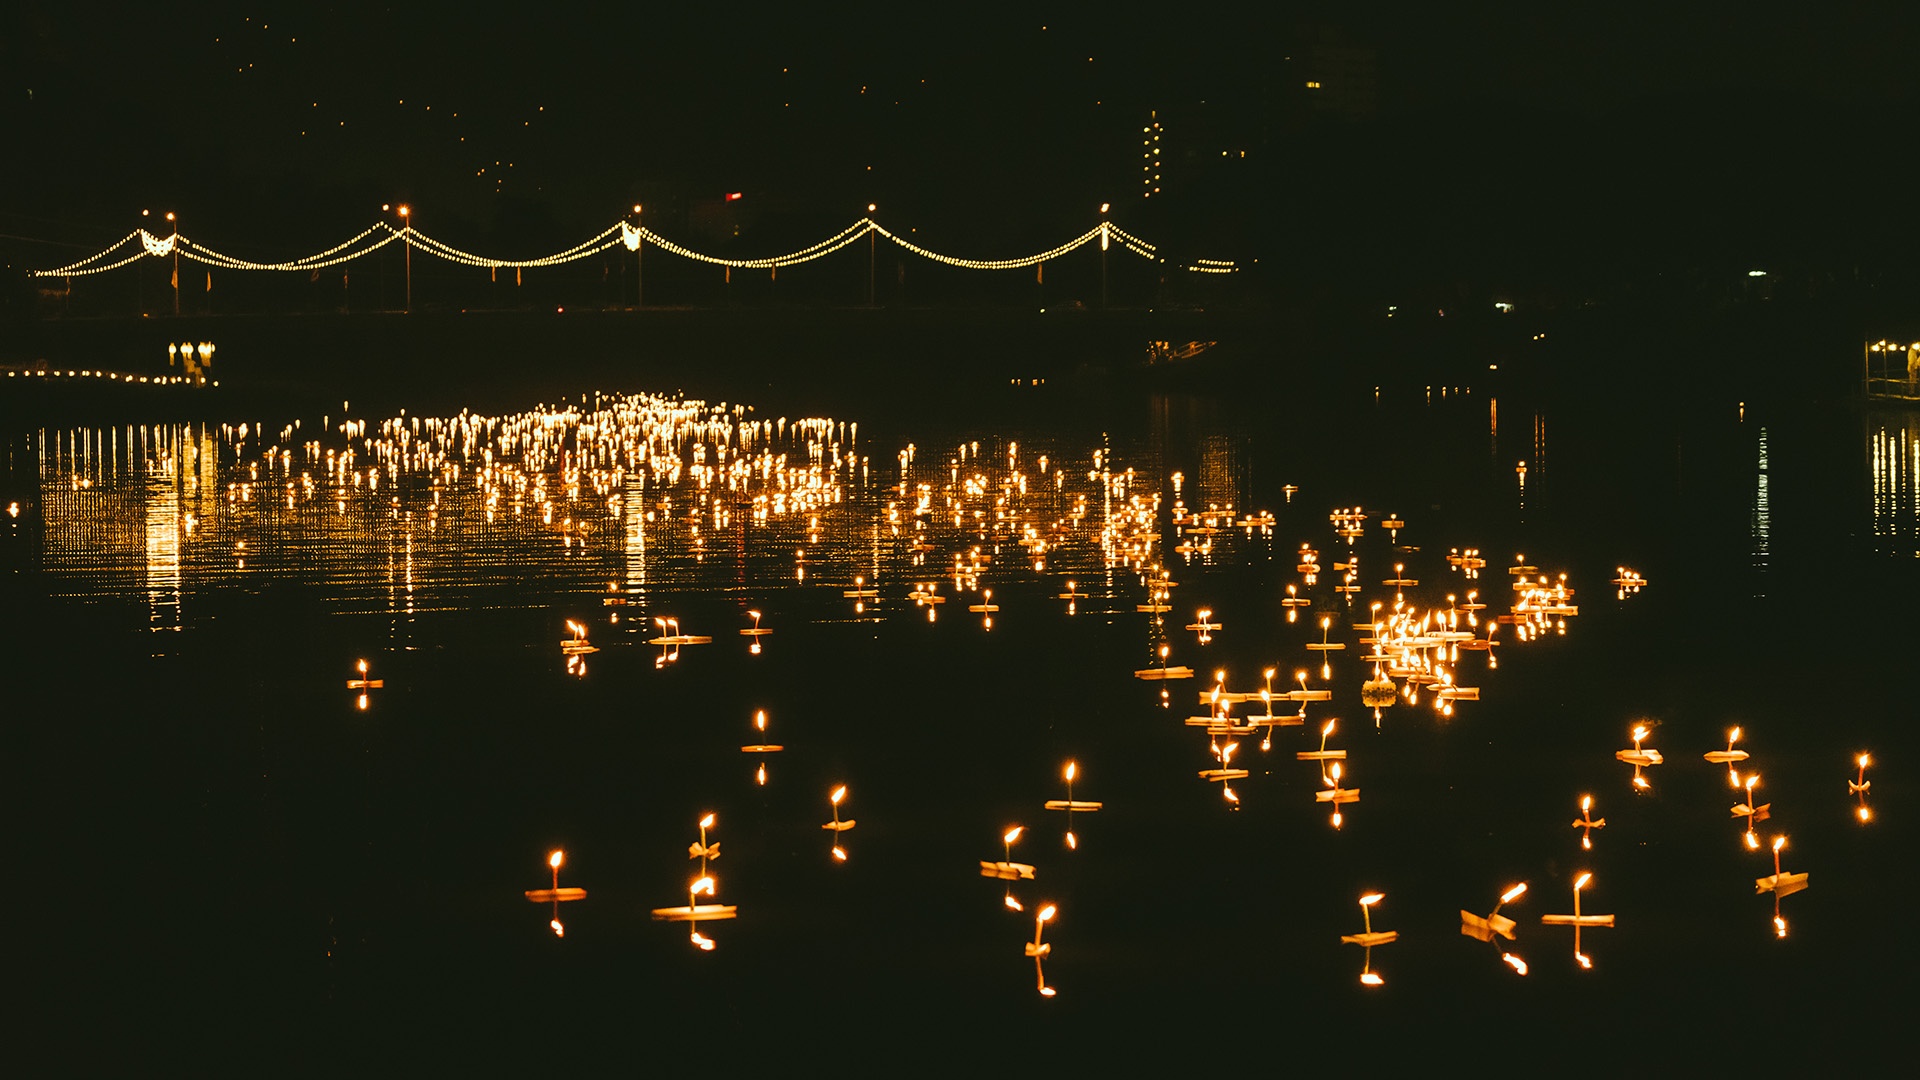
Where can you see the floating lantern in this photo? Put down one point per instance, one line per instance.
(671, 636)
(1039, 950)
(1163, 671)
(1752, 812)
(1486, 928)
(1578, 920)
(760, 727)
(1007, 870)
(1336, 794)
(860, 591)
(1323, 646)
(1639, 758)
(754, 633)
(1070, 804)
(1859, 787)
(364, 683)
(1494, 925)
(1780, 884)
(556, 895)
(1369, 938)
(836, 826)
(576, 645)
(693, 911)
(1322, 754)
(1586, 823)
(1728, 757)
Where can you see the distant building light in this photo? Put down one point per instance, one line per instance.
(1502, 306)
(1313, 84)
(1756, 273)
(735, 196)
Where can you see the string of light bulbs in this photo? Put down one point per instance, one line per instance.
(620, 233)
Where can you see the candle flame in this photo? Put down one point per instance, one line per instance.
(1012, 903)
(838, 794)
(1515, 963)
(1072, 767)
(1779, 842)
(703, 941)
(1372, 898)
(839, 853)
(701, 885)
(554, 860)
(1507, 897)
(1581, 881)
(1370, 979)
(1014, 833)
(1046, 914)
(1586, 803)
(558, 930)
(707, 822)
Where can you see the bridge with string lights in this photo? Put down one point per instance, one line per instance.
(142, 245)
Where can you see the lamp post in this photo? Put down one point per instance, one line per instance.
(639, 246)
(1104, 207)
(406, 238)
(870, 231)
(175, 222)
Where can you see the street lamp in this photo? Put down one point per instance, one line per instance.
(406, 238)
(1104, 207)
(175, 222)
(639, 243)
(871, 228)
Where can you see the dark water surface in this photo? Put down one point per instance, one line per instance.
(223, 859)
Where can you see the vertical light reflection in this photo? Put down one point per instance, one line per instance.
(634, 544)
(165, 524)
(1762, 517)
(1894, 466)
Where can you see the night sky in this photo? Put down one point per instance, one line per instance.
(275, 132)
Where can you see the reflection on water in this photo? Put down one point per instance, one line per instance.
(635, 507)
(1762, 526)
(627, 498)
(1893, 455)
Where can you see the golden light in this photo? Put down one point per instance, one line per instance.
(1779, 926)
(1013, 833)
(554, 860)
(707, 822)
(1515, 962)
(1508, 896)
(838, 794)
(1373, 898)
(1071, 766)
(1012, 903)
(1046, 914)
(1581, 881)
(1778, 843)
(1368, 978)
